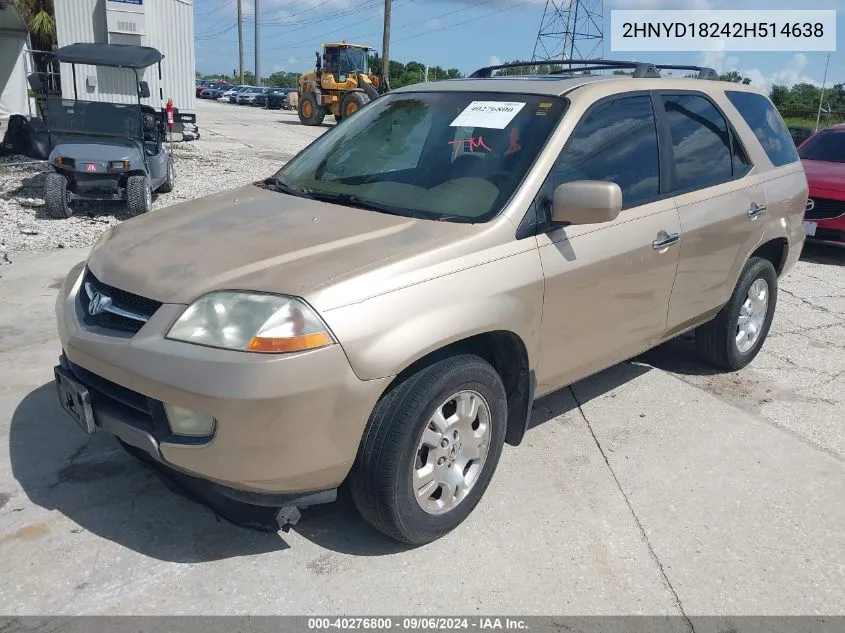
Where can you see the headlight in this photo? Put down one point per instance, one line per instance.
(252, 322)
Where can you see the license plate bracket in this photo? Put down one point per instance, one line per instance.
(75, 399)
(810, 228)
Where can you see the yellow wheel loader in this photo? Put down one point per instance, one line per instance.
(340, 85)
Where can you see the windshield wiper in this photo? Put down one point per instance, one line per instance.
(278, 185)
(355, 201)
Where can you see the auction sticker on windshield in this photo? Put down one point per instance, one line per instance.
(490, 114)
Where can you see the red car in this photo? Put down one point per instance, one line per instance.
(823, 156)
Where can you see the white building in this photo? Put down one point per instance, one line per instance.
(14, 51)
(167, 25)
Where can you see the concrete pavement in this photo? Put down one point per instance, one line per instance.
(634, 492)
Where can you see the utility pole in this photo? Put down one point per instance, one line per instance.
(821, 99)
(240, 43)
(385, 46)
(257, 44)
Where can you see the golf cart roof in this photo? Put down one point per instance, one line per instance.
(112, 55)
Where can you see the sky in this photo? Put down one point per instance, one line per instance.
(468, 34)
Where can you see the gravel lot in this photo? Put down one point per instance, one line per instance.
(236, 147)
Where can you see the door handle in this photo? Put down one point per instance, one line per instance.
(669, 240)
(756, 210)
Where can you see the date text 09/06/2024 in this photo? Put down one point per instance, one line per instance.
(417, 623)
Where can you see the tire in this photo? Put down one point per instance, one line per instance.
(382, 479)
(56, 196)
(309, 112)
(139, 195)
(168, 185)
(718, 341)
(352, 102)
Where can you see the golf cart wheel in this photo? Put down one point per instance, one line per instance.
(352, 102)
(430, 449)
(169, 183)
(57, 196)
(139, 195)
(734, 337)
(309, 112)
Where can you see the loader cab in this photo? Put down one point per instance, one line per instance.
(342, 60)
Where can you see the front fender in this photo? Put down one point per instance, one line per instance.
(385, 334)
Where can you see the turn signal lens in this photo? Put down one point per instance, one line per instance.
(292, 344)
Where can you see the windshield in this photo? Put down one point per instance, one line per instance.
(827, 146)
(436, 155)
(93, 118)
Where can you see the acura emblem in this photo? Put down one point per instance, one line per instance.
(811, 204)
(99, 303)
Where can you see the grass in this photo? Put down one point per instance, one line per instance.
(808, 122)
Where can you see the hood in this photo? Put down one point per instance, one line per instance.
(824, 175)
(252, 238)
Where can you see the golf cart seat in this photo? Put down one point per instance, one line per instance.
(152, 131)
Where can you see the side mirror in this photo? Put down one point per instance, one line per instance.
(586, 202)
(144, 90)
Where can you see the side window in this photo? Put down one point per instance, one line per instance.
(741, 162)
(700, 140)
(616, 141)
(768, 126)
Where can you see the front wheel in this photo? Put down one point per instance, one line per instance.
(139, 195)
(430, 449)
(734, 337)
(57, 196)
(309, 112)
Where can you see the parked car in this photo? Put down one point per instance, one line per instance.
(228, 94)
(276, 98)
(246, 97)
(384, 310)
(823, 156)
(261, 98)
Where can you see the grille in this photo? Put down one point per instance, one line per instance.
(120, 299)
(826, 209)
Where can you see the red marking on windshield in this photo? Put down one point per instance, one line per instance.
(471, 144)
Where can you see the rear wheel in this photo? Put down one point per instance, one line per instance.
(352, 102)
(734, 337)
(430, 449)
(57, 196)
(139, 194)
(169, 183)
(309, 112)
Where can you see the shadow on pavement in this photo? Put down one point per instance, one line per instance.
(824, 254)
(678, 356)
(106, 491)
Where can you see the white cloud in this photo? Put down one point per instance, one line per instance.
(791, 73)
(433, 24)
(292, 60)
(493, 61)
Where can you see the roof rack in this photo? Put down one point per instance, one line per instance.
(641, 69)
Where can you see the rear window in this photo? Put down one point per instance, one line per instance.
(768, 126)
(827, 146)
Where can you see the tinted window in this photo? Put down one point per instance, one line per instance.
(741, 162)
(701, 142)
(616, 141)
(827, 146)
(767, 124)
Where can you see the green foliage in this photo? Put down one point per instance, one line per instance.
(735, 77)
(412, 73)
(799, 105)
(40, 19)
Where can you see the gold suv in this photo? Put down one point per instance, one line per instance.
(383, 310)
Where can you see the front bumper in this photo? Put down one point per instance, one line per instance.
(285, 425)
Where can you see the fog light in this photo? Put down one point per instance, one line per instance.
(187, 422)
(119, 164)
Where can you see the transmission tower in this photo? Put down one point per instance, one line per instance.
(571, 29)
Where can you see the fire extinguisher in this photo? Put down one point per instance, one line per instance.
(170, 121)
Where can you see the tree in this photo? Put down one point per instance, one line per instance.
(40, 19)
(735, 77)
